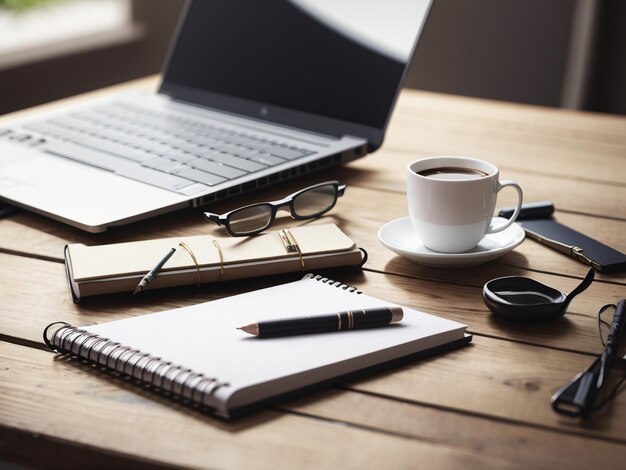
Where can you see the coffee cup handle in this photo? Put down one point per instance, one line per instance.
(504, 184)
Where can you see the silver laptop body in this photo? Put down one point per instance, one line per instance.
(213, 130)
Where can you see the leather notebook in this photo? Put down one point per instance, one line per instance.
(105, 269)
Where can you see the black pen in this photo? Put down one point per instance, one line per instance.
(530, 210)
(153, 272)
(339, 321)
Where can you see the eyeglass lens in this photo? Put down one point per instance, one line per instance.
(310, 203)
(250, 219)
(315, 201)
(605, 320)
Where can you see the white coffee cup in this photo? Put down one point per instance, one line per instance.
(452, 199)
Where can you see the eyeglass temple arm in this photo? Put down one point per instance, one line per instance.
(341, 189)
(215, 218)
(577, 396)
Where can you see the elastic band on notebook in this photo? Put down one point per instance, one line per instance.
(193, 257)
(219, 251)
(286, 241)
(294, 244)
(365, 256)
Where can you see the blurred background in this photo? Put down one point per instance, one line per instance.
(560, 53)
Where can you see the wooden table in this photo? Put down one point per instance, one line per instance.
(483, 405)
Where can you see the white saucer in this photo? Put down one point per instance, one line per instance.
(399, 236)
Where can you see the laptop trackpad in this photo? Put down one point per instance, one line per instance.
(80, 193)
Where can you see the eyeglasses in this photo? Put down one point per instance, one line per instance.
(307, 203)
(579, 397)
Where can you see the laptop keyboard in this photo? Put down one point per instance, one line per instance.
(168, 149)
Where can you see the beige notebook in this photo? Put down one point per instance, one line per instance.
(196, 352)
(105, 269)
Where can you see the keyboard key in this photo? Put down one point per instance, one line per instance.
(236, 162)
(179, 168)
(192, 189)
(38, 142)
(152, 146)
(84, 155)
(284, 152)
(202, 177)
(246, 141)
(208, 141)
(49, 129)
(154, 177)
(205, 152)
(217, 169)
(227, 148)
(188, 146)
(180, 156)
(21, 137)
(121, 150)
(161, 164)
(267, 159)
(74, 124)
(247, 152)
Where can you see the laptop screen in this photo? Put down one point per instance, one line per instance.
(340, 59)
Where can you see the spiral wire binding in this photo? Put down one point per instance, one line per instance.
(317, 277)
(171, 378)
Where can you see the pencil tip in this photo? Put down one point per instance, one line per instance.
(137, 290)
(252, 329)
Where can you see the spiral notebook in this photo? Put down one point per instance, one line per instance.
(198, 354)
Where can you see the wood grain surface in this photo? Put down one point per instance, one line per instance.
(485, 405)
(454, 300)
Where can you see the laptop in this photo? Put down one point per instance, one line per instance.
(252, 94)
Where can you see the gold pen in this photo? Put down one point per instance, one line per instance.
(573, 251)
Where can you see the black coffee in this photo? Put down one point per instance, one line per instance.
(451, 173)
